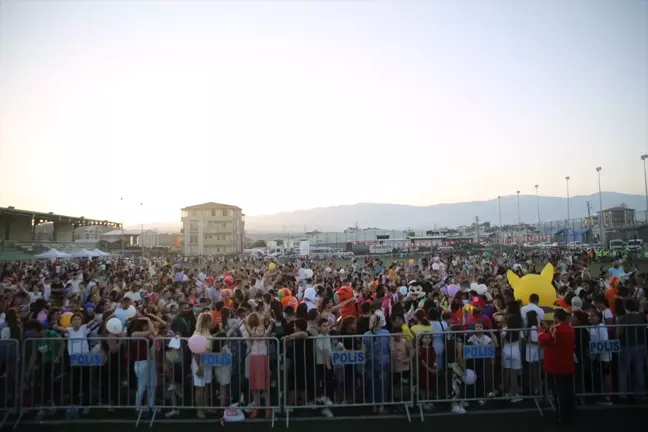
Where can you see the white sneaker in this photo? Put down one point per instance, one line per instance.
(327, 413)
(172, 413)
(458, 409)
(326, 401)
(516, 399)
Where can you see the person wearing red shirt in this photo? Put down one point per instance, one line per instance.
(558, 342)
(477, 316)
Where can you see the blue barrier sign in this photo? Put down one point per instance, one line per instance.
(216, 359)
(602, 347)
(90, 359)
(349, 357)
(478, 351)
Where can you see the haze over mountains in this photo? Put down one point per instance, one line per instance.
(397, 216)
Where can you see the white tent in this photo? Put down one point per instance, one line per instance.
(99, 253)
(52, 254)
(83, 253)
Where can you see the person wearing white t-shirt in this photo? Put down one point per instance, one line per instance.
(74, 283)
(532, 306)
(77, 337)
(134, 294)
(302, 272)
(310, 298)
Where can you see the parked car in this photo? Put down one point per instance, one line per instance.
(616, 245)
(635, 245)
(574, 246)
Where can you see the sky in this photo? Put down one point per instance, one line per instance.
(284, 105)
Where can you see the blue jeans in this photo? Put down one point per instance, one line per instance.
(146, 374)
(632, 364)
(379, 382)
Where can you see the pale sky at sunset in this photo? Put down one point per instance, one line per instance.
(282, 105)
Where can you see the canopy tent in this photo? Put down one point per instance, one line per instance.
(83, 253)
(99, 253)
(52, 254)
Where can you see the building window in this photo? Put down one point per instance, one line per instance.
(223, 225)
(193, 239)
(193, 227)
(213, 212)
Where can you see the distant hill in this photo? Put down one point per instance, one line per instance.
(395, 216)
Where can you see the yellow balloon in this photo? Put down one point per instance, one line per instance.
(66, 320)
(272, 266)
(411, 262)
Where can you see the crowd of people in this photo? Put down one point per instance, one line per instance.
(432, 332)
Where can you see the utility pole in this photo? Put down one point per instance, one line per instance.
(589, 216)
(477, 225)
(499, 210)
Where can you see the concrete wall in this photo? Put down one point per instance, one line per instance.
(16, 228)
(63, 232)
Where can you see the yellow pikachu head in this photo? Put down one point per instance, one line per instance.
(535, 284)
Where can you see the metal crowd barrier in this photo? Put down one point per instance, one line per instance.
(9, 378)
(334, 373)
(244, 372)
(464, 367)
(337, 376)
(610, 361)
(77, 374)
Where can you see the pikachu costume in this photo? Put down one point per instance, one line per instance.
(535, 284)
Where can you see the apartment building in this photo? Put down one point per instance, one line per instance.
(212, 229)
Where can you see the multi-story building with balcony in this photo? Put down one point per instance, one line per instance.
(212, 229)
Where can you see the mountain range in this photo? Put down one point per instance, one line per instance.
(397, 216)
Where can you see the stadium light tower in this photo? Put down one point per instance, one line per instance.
(518, 212)
(600, 218)
(643, 158)
(568, 208)
(538, 206)
(499, 206)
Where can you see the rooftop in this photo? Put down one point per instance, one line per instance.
(42, 217)
(619, 208)
(126, 232)
(208, 206)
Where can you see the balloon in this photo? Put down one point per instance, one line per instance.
(403, 290)
(114, 326)
(453, 290)
(198, 344)
(435, 267)
(470, 377)
(66, 319)
(284, 292)
(131, 312)
(411, 261)
(309, 273)
(540, 285)
(289, 301)
(272, 266)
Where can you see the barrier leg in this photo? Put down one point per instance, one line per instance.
(537, 404)
(4, 420)
(153, 418)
